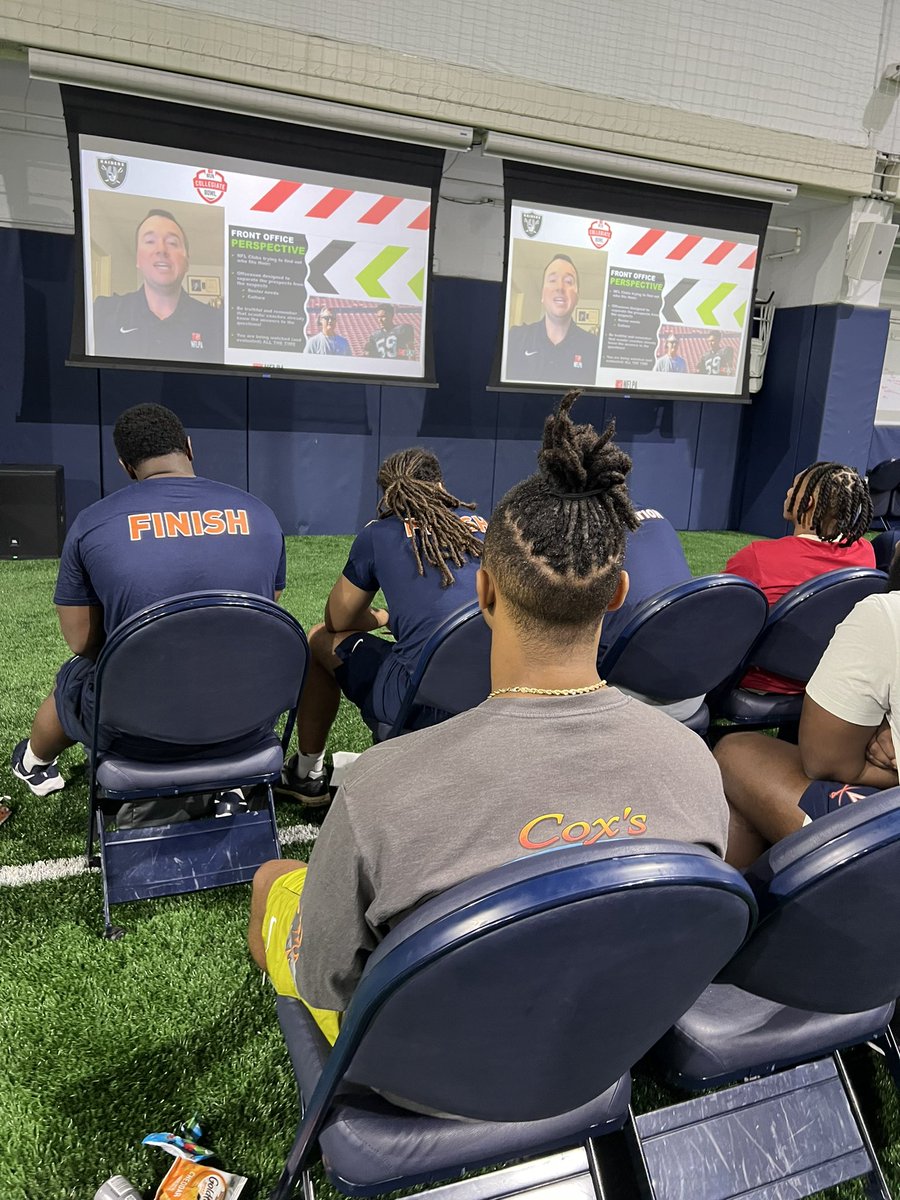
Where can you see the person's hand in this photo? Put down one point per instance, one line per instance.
(382, 618)
(880, 750)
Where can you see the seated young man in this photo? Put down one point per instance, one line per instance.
(132, 548)
(849, 726)
(654, 561)
(553, 756)
(830, 508)
(422, 551)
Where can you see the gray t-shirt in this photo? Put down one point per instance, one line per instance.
(423, 812)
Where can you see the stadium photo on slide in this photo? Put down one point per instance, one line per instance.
(626, 304)
(232, 263)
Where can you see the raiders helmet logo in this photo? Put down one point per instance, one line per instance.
(531, 223)
(112, 171)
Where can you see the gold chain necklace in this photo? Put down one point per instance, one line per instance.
(530, 691)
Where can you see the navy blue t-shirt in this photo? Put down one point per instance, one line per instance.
(165, 536)
(654, 561)
(382, 556)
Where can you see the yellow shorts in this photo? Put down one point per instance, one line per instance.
(281, 909)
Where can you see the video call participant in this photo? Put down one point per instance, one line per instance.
(671, 361)
(327, 340)
(422, 551)
(831, 511)
(390, 340)
(160, 320)
(554, 349)
(552, 756)
(719, 359)
(848, 730)
(170, 532)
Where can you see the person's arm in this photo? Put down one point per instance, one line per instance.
(349, 607)
(336, 936)
(832, 748)
(848, 697)
(82, 628)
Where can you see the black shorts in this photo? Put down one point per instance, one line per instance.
(373, 678)
(74, 698)
(827, 795)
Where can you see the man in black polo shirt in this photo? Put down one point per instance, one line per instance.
(160, 320)
(554, 349)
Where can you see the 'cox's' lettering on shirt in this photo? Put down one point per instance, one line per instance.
(189, 523)
(547, 829)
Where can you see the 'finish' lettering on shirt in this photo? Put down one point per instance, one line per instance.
(193, 523)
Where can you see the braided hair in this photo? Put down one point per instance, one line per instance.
(837, 501)
(413, 490)
(556, 541)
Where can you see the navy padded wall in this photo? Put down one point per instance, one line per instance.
(310, 449)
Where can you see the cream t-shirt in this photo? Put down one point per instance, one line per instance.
(858, 678)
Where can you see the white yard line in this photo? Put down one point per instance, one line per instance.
(64, 868)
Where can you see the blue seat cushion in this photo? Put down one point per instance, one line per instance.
(124, 777)
(369, 1143)
(729, 1033)
(744, 705)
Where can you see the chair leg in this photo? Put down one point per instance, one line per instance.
(876, 1184)
(887, 1043)
(270, 797)
(111, 933)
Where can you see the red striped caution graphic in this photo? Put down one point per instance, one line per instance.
(276, 196)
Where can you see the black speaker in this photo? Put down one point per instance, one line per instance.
(32, 511)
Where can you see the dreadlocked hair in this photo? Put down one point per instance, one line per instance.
(413, 490)
(837, 501)
(556, 541)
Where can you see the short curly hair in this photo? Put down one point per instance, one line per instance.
(148, 431)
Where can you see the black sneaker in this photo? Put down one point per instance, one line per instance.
(311, 790)
(229, 804)
(40, 780)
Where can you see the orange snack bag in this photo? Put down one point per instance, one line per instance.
(187, 1180)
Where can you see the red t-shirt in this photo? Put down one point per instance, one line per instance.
(780, 565)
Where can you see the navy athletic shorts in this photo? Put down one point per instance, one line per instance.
(373, 678)
(74, 697)
(828, 795)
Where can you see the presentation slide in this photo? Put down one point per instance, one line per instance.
(607, 302)
(227, 262)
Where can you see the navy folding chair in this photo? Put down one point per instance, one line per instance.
(204, 673)
(820, 972)
(884, 480)
(453, 673)
(884, 545)
(518, 1000)
(686, 640)
(793, 640)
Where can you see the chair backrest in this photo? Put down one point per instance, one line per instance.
(884, 477)
(527, 991)
(201, 668)
(800, 625)
(884, 545)
(454, 669)
(686, 640)
(828, 938)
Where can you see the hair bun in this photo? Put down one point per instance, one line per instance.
(576, 459)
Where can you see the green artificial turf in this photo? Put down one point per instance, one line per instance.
(104, 1042)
